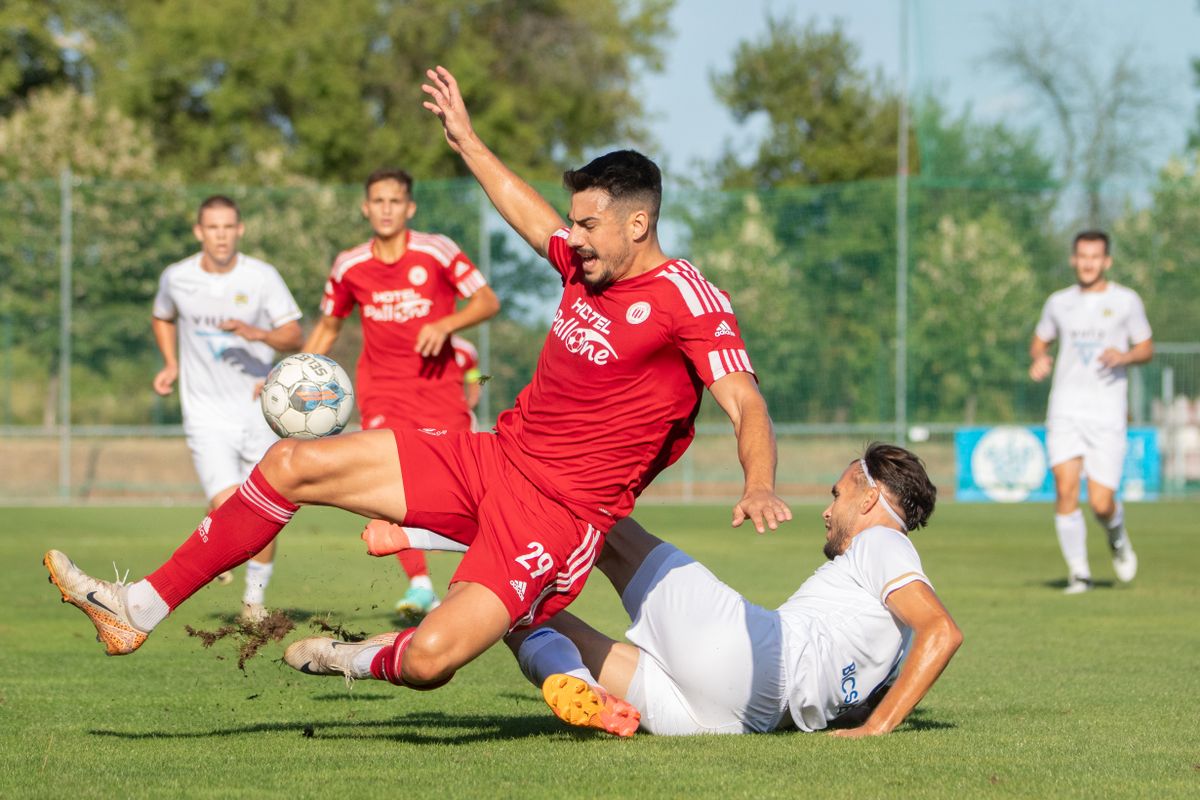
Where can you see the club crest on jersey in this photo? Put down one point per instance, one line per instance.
(417, 276)
(638, 313)
(240, 299)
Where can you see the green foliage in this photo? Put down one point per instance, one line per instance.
(255, 91)
(1076, 697)
(1155, 251)
(828, 120)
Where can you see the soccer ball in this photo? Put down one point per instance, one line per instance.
(307, 396)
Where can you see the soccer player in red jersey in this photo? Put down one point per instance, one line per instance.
(405, 282)
(613, 400)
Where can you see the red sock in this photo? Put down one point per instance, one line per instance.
(242, 526)
(413, 563)
(386, 665)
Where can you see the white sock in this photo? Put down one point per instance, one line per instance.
(258, 575)
(360, 665)
(421, 539)
(146, 608)
(1114, 526)
(1072, 539)
(547, 652)
(421, 582)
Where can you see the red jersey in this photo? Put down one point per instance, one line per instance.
(397, 299)
(613, 400)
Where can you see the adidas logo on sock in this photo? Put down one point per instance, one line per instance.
(724, 330)
(519, 588)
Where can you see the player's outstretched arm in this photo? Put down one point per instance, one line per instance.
(935, 639)
(521, 206)
(323, 335)
(738, 395)
(164, 337)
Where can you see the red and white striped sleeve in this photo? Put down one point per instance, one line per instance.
(338, 299)
(706, 328)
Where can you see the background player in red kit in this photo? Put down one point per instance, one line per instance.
(612, 402)
(405, 282)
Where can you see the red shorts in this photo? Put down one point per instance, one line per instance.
(532, 552)
(441, 406)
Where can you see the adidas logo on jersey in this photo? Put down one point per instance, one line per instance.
(519, 588)
(724, 330)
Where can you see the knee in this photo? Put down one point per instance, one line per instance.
(286, 466)
(1103, 507)
(429, 659)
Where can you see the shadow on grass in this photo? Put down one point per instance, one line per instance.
(427, 727)
(1061, 583)
(919, 720)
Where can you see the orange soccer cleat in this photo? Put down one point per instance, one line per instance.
(577, 702)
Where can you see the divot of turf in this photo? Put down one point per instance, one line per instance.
(253, 635)
(324, 625)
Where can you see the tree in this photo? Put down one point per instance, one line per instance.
(828, 120)
(1101, 118)
(331, 90)
(1156, 247)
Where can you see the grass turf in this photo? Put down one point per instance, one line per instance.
(1088, 696)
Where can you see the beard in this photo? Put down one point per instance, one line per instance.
(836, 544)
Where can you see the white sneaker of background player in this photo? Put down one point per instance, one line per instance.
(1077, 585)
(1125, 562)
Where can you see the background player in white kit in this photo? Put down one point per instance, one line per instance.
(1101, 328)
(703, 659)
(229, 313)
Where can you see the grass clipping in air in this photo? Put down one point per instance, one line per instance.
(252, 635)
(272, 628)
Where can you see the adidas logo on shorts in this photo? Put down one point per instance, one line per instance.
(519, 588)
(723, 329)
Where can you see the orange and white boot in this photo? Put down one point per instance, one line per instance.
(577, 702)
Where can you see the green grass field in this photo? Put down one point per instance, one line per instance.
(1050, 696)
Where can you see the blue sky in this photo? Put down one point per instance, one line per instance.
(947, 39)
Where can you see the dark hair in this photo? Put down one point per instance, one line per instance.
(218, 201)
(624, 175)
(389, 174)
(904, 474)
(1090, 236)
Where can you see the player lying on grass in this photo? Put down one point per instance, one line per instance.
(612, 402)
(703, 659)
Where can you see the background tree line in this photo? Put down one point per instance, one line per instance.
(287, 105)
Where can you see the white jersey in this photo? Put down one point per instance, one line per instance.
(218, 370)
(840, 641)
(1087, 324)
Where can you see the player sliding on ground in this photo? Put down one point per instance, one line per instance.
(703, 659)
(613, 399)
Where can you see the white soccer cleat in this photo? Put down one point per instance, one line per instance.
(321, 655)
(1078, 585)
(1125, 563)
(102, 601)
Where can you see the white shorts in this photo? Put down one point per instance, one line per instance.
(1102, 447)
(711, 661)
(224, 453)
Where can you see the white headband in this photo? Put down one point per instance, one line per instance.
(886, 505)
